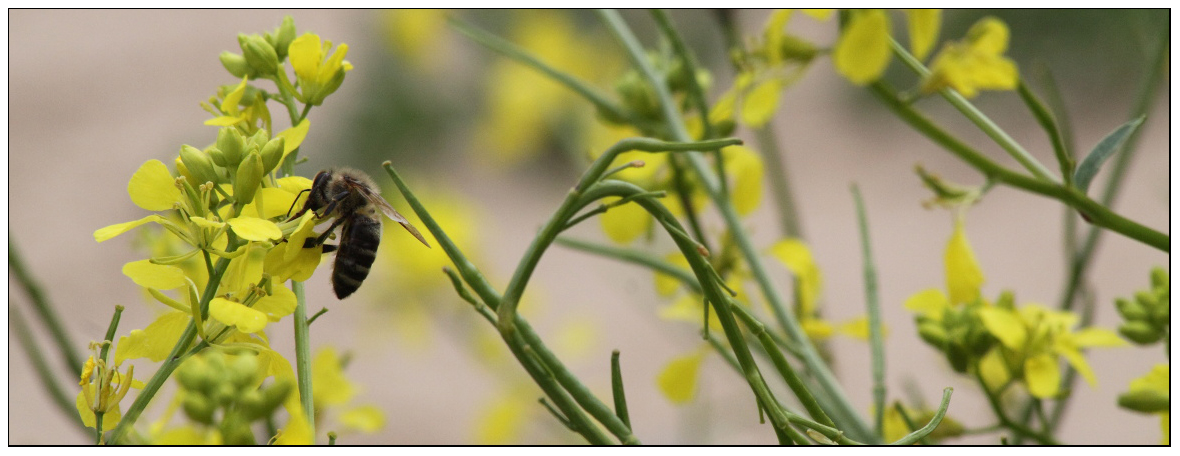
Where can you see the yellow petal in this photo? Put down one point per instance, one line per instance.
(152, 187)
(327, 371)
(678, 379)
(231, 313)
(862, 52)
(994, 370)
(159, 276)
(297, 431)
(293, 137)
(1042, 375)
(923, 25)
(761, 102)
(277, 305)
(306, 53)
(224, 121)
(255, 229)
(928, 303)
(797, 257)
(859, 328)
(501, 422)
(366, 418)
(274, 202)
(154, 342)
(963, 275)
(1097, 337)
(989, 36)
(1006, 325)
(625, 223)
(1075, 359)
(817, 329)
(109, 232)
(245, 270)
(746, 167)
(109, 419)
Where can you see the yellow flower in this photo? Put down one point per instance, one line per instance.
(419, 35)
(923, 26)
(975, 63)
(1151, 393)
(862, 52)
(963, 274)
(319, 72)
(1040, 336)
(678, 379)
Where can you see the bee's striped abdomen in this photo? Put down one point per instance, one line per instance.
(359, 238)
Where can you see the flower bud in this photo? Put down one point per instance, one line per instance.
(259, 54)
(266, 401)
(1145, 400)
(196, 376)
(258, 139)
(1159, 278)
(1140, 332)
(932, 332)
(282, 37)
(231, 143)
(958, 356)
(249, 177)
(236, 65)
(637, 95)
(793, 48)
(1130, 310)
(199, 164)
(199, 408)
(272, 153)
(217, 157)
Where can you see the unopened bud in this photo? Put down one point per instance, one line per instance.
(236, 65)
(1140, 332)
(259, 54)
(199, 164)
(272, 153)
(1145, 400)
(232, 145)
(249, 178)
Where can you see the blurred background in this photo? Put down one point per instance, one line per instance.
(492, 149)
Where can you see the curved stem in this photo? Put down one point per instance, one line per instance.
(979, 119)
(303, 356)
(65, 346)
(709, 181)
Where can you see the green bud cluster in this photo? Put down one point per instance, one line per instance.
(960, 335)
(1146, 315)
(261, 55)
(224, 390)
(244, 161)
(640, 98)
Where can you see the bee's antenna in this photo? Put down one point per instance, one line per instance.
(297, 195)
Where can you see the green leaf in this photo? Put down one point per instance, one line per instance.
(1105, 148)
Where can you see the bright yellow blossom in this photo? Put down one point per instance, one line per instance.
(975, 63)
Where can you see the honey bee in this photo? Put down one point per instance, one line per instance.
(353, 199)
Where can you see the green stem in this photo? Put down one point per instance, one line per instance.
(780, 188)
(545, 369)
(873, 307)
(1018, 428)
(46, 376)
(303, 355)
(980, 119)
(44, 309)
(920, 434)
(616, 383)
(1098, 214)
(696, 93)
(1049, 124)
(111, 328)
(811, 356)
(174, 359)
(514, 52)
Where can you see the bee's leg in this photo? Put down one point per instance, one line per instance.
(329, 248)
(311, 243)
(331, 206)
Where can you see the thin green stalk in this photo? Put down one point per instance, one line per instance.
(571, 206)
(303, 355)
(920, 434)
(815, 363)
(175, 358)
(980, 119)
(696, 93)
(544, 367)
(111, 328)
(46, 376)
(713, 292)
(873, 307)
(44, 309)
(1049, 123)
(1008, 423)
(780, 188)
(510, 50)
(616, 383)
(1099, 214)
(909, 422)
(784, 368)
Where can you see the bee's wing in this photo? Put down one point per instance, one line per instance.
(392, 213)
